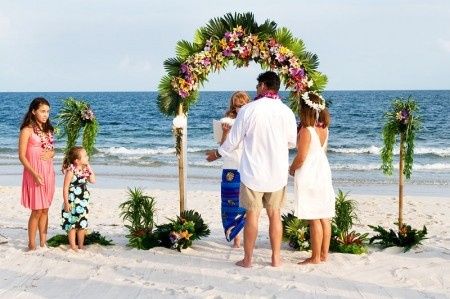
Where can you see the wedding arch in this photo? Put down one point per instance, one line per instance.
(238, 39)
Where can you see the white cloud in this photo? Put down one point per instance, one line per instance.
(134, 64)
(444, 44)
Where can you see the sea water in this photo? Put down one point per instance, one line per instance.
(135, 144)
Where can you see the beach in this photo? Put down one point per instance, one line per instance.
(207, 270)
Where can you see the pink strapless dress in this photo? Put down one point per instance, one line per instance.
(37, 197)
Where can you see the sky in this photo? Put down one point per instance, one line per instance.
(111, 45)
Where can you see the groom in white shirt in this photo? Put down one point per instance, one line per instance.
(268, 129)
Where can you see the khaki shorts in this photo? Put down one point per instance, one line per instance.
(254, 200)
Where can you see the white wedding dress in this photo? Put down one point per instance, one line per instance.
(314, 196)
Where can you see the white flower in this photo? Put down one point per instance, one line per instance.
(180, 121)
(316, 106)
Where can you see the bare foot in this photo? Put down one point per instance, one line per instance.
(323, 258)
(276, 261)
(243, 264)
(74, 248)
(236, 245)
(30, 248)
(309, 261)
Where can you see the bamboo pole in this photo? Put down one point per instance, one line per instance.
(400, 182)
(182, 163)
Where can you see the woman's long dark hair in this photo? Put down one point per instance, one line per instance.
(29, 118)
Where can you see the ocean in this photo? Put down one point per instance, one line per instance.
(135, 145)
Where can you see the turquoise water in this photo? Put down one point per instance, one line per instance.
(135, 142)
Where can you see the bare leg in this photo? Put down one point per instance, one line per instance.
(237, 242)
(316, 242)
(276, 234)
(72, 241)
(43, 226)
(80, 236)
(250, 234)
(326, 228)
(32, 228)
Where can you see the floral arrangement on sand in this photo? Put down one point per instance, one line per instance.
(138, 211)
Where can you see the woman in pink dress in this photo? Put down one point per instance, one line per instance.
(36, 151)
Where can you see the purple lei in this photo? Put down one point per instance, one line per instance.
(269, 94)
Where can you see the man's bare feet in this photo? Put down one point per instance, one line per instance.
(243, 264)
(276, 261)
(309, 261)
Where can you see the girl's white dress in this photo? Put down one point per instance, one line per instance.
(314, 196)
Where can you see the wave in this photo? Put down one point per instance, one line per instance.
(374, 166)
(375, 150)
(145, 151)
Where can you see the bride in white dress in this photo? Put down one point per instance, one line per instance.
(313, 190)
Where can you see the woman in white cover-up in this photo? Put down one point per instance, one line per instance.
(313, 190)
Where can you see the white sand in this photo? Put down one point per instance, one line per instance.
(207, 269)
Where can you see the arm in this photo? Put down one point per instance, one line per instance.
(91, 177)
(235, 135)
(303, 140)
(67, 179)
(23, 142)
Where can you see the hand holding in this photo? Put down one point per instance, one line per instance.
(226, 128)
(67, 207)
(38, 179)
(211, 155)
(47, 155)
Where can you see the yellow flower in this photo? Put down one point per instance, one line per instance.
(185, 234)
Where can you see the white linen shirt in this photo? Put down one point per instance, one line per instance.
(268, 129)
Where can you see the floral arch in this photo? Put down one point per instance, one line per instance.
(238, 39)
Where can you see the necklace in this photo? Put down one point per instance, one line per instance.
(46, 138)
(269, 94)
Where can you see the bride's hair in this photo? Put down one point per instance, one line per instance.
(238, 96)
(308, 114)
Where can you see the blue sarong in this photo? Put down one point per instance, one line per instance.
(233, 216)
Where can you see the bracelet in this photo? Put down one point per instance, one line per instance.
(216, 154)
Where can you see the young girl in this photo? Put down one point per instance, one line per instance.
(76, 195)
(233, 218)
(36, 151)
(313, 191)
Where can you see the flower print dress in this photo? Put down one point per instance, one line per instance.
(78, 200)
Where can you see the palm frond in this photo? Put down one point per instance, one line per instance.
(185, 49)
(319, 81)
(172, 66)
(310, 61)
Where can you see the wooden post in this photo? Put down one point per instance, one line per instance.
(182, 163)
(400, 182)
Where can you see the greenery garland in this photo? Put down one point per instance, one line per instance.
(403, 120)
(76, 116)
(238, 39)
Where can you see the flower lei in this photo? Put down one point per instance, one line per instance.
(47, 141)
(316, 106)
(84, 172)
(269, 94)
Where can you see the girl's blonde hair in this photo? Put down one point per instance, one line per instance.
(238, 95)
(308, 115)
(71, 156)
